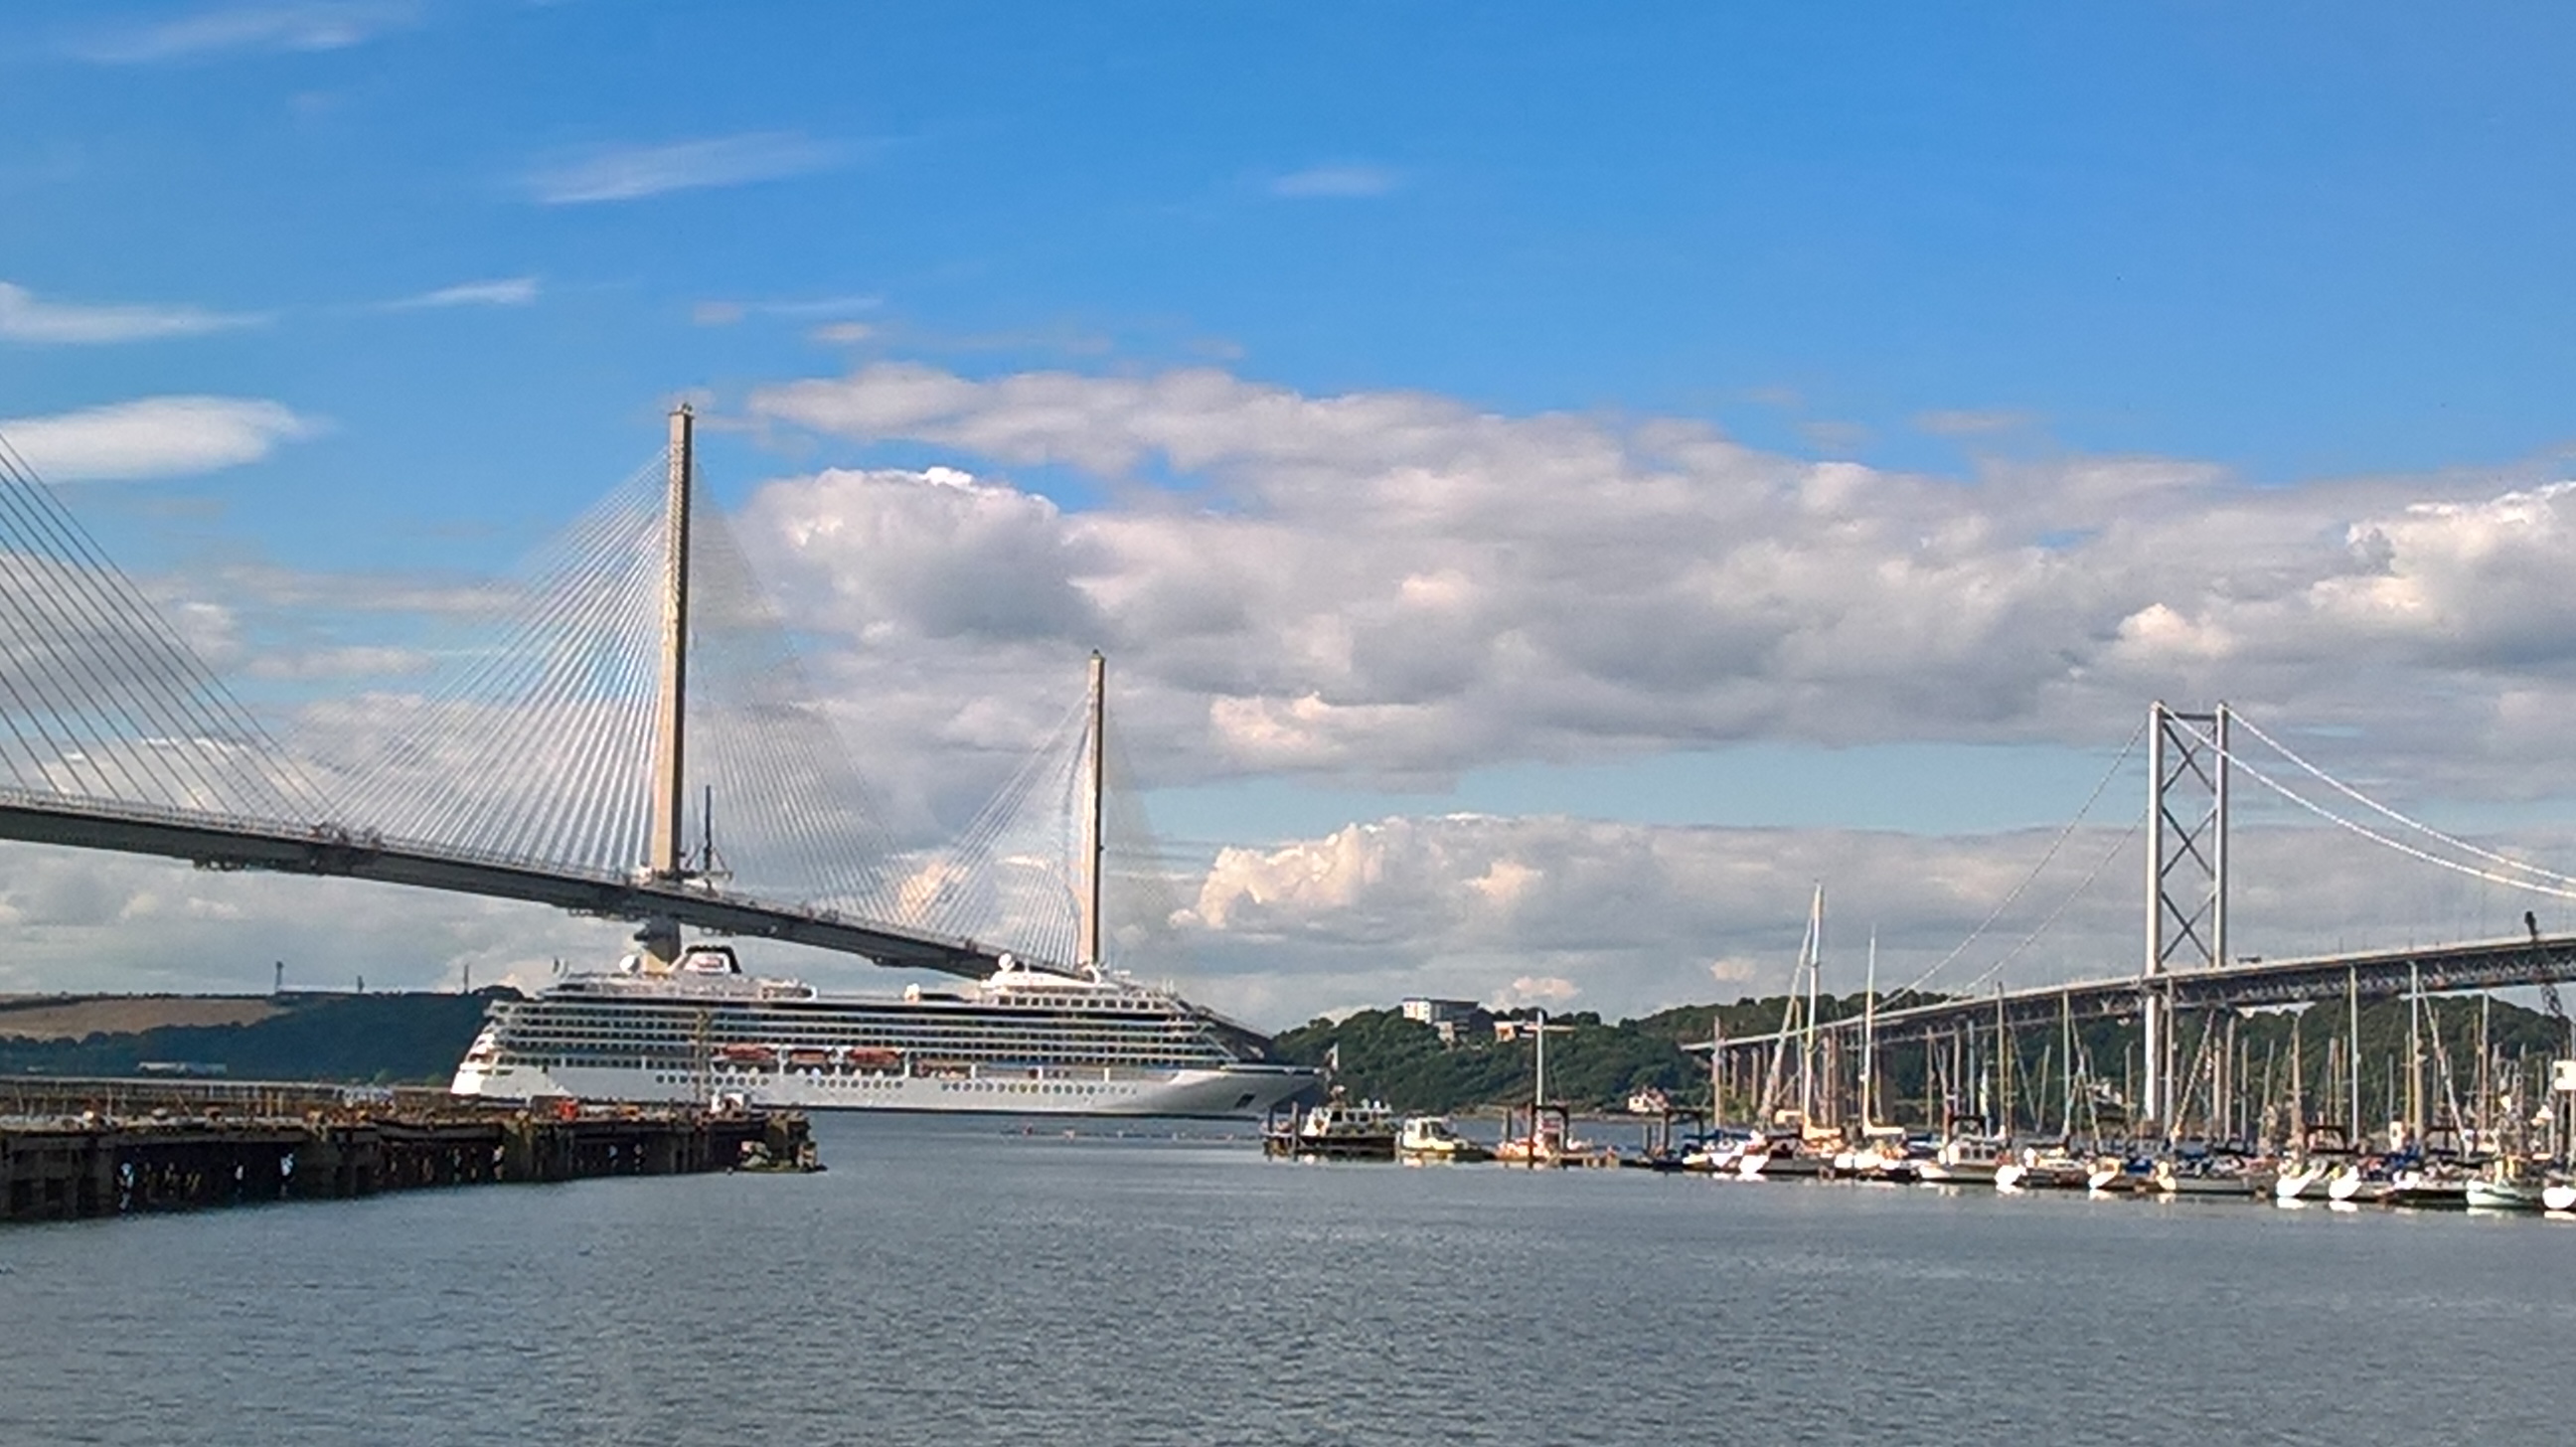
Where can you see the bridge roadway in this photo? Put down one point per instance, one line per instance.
(216, 843)
(2441, 969)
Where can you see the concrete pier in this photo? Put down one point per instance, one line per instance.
(71, 1149)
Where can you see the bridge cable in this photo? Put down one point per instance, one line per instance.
(2054, 845)
(2359, 797)
(2366, 832)
(121, 666)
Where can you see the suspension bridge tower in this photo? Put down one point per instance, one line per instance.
(2186, 879)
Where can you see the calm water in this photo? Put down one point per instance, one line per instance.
(948, 1281)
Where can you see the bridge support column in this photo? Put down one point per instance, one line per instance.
(660, 938)
(2186, 879)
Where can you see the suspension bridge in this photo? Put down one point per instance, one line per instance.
(2192, 767)
(631, 683)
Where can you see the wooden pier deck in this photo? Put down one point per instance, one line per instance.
(80, 1148)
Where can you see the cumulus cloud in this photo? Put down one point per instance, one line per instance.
(270, 25)
(1392, 586)
(1631, 918)
(154, 437)
(629, 173)
(25, 318)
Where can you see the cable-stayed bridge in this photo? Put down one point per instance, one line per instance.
(630, 686)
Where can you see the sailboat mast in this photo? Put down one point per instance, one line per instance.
(1538, 1089)
(1869, 1035)
(2414, 1057)
(2298, 1103)
(1087, 945)
(2066, 1041)
(1813, 949)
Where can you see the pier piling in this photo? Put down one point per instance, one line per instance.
(72, 1149)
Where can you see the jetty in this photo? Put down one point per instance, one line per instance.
(83, 1148)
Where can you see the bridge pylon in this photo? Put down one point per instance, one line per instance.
(2186, 879)
(664, 861)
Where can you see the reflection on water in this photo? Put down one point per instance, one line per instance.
(961, 1281)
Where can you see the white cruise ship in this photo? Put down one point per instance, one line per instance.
(1021, 1041)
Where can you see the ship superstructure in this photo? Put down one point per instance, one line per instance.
(1021, 1041)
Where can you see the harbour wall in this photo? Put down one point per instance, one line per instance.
(71, 1149)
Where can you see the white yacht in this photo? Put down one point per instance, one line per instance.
(1021, 1041)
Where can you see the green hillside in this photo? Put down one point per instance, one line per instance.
(1598, 1064)
(382, 1038)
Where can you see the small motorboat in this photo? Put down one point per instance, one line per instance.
(1430, 1140)
(1340, 1129)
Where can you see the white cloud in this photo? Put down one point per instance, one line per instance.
(628, 173)
(1391, 587)
(23, 318)
(1634, 918)
(1343, 180)
(503, 291)
(154, 437)
(1546, 990)
(272, 25)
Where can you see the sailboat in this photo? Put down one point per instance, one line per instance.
(1549, 1142)
(1877, 1152)
(1791, 1138)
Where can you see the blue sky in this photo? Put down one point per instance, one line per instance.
(2310, 261)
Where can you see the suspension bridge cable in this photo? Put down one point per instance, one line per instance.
(2118, 846)
(2365, 800)
(2054, 845)
(2366, 832)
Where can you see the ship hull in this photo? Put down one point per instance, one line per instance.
(1240, 1092)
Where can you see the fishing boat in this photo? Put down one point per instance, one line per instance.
(1340, 1129)
(1430, 1140)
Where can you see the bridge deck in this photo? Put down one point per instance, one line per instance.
(235, 844)
(2441, 969)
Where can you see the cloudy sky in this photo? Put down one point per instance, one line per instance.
(1553, 488)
